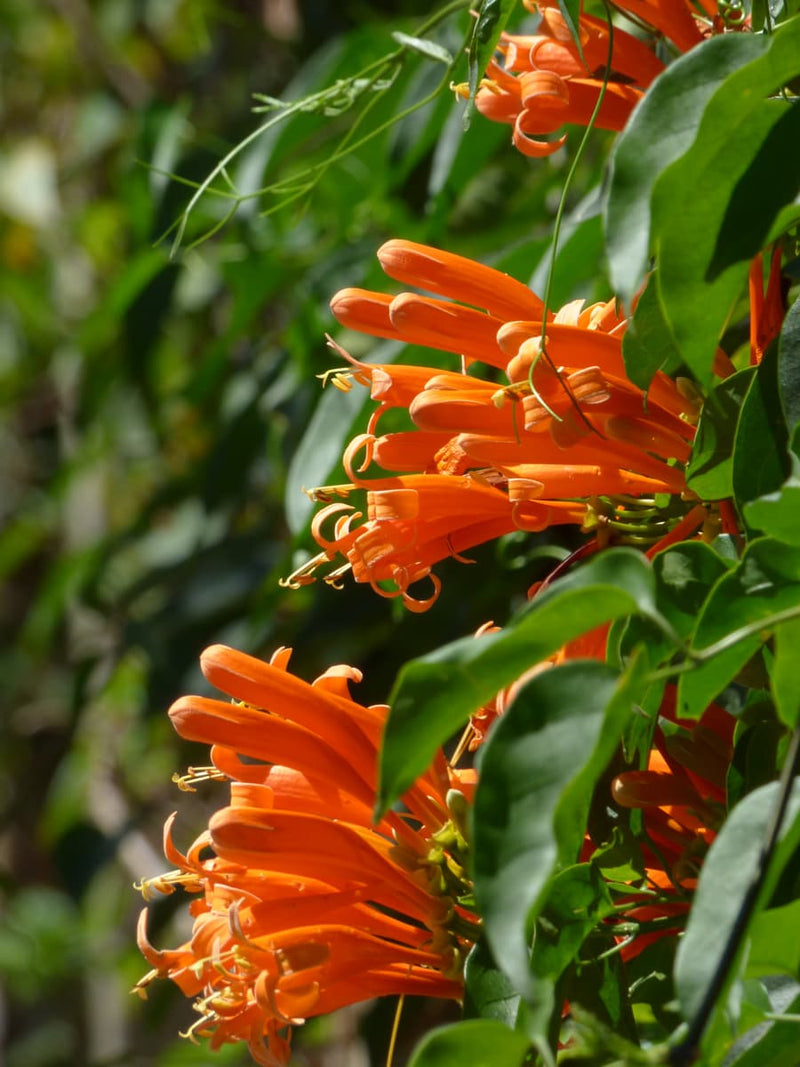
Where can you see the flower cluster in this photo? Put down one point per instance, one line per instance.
(546, 81)
(682, 796)
(302, 904)
(540, 427)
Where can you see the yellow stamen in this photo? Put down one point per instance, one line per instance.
(334, 579)
(186, 782)
(304, 574)
(165, 884)
(326, 494)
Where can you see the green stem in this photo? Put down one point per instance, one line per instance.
(543, 354)
(373, 69)
(695, 657)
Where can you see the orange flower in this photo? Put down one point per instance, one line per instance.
(767, 307)
(302, 904)
(544, 82)
(486, 458)
(682, 797)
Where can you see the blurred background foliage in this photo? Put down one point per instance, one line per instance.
(161, 413)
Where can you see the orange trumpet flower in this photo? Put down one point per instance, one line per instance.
(682, 796)
(545, 82)
(564, 428)
(301, 904)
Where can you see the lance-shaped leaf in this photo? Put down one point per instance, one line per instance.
(710, 470)
(436, 694)
(538, 772)
(730, 869)
(660, 130)
(489, 24)
(760, 459)
(789, 368)
(647, 345)
(746, 161)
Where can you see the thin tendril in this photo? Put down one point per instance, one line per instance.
(543, 353)
(374, 69)
(395, 1028)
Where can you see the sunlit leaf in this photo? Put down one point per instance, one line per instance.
(435, 694)
(774, 942)
(746, 158)
(766, 582)
(684, 575)
(660, 130)
(489, 24)
(479, 1042)
(537, 775)
(429, 49)
(785, 679)
(728, 873)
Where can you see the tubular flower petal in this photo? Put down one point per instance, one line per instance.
(302, 905)
(681, 794)
(545, 82)
(564, 432)
(767, 307)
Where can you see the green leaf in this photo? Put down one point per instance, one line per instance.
(490, 23)
(755, 755)
(660, 130)
(746, 159)
(488, 994)
(647, 344)
(320, 450)
(785, 680)
(571, 13)
(575, 902)
(776, 513)
(620, 858)
(684, 575)
(600, 986)
(727, 874)
(478, 1042)
(774, 941)
(766, 582)
(778, 1046)
(760, 460)
(789, 368)
(710, 469)
(435, 694)
(425, 48)
(539, 767)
